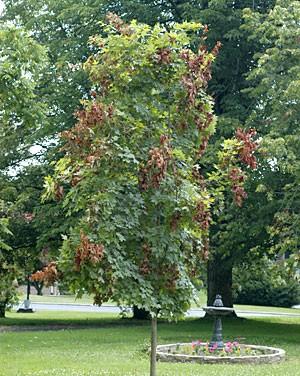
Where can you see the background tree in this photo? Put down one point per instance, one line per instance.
(64, 28)
(8, 270)
(21, 109)
(266, 281)
(275, 89)
(273, 201)
(37, 227)
(21, 114)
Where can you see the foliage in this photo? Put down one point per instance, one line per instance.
(275, 89)
(20, 201)
(34, 241)
(8, 270)
(49, 274)
(21, 110)
(128, 169)
(22, 117)
(21, 114)
(65, 26)
(265, 282)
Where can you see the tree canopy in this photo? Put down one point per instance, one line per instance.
(130, 159)
(21, 120)
(7, 268)
(21, 110)
(275, 90)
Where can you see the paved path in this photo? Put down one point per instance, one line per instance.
(194, 312)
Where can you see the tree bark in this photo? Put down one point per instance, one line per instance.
(140, 313)
(39, 287)
(28, 287)
(153, 345)
(219, 281)
(2, 309)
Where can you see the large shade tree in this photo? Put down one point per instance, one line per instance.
(8, 270)
(21, 113)
(21, 110)
(37, 227)
(275, 89)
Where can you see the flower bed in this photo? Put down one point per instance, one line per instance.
(233, 352)
(204, 349)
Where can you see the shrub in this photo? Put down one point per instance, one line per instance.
(267, 283)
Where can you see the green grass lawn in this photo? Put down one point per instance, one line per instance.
(59, 299)
(251, 308)
(108, 345)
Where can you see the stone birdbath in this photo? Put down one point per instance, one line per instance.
(216, 351)
(217, 310)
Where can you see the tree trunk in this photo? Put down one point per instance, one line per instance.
(140, 313)
(153, 345)
(219, 281)
(28, 287)
(39, 287)
(2, 309)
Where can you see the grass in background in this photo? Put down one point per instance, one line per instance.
(63, 318)
(86, 299)
(116, 347)
(65, 299)
(240, 307)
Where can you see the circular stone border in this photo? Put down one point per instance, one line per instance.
(272, 355)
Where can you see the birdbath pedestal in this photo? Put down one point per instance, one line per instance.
(217, 310)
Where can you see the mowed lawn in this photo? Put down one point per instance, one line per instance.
(95, 344)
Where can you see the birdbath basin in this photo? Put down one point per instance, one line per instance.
(218, 311)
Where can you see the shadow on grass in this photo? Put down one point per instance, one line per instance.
(64, 320)
(256, 331)
(269, 331)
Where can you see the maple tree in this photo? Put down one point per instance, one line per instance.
(128, 166)
(130, 172)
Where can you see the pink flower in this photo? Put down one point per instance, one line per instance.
(213, 347)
